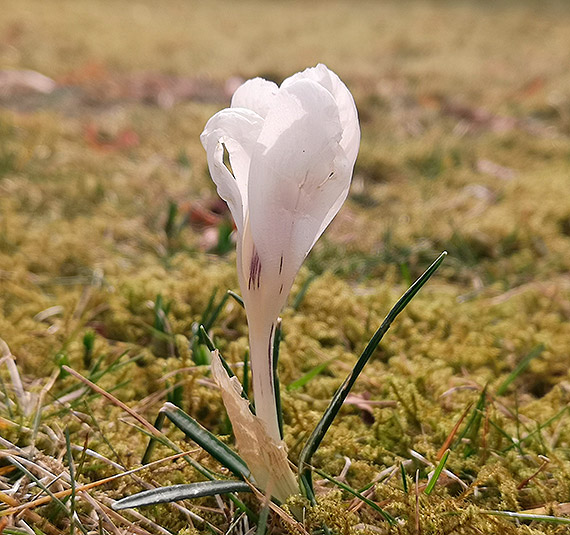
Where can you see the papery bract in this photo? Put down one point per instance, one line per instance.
(291, 152)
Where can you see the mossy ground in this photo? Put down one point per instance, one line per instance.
(465, 111)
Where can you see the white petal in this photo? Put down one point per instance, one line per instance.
(347, 109)
(256, 94)
(299, 176)
(237, 130)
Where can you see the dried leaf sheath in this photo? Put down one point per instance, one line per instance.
(265, 457)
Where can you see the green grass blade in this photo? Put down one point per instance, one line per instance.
(238, 299)
(322, 427)
(404, 478)
(388, 517)
(551, 420)
(245, 381)
(433, 480)
(311, 374)
(521, 367)
(471, 430)
(276, 384)
(209, 306)
(208, 323)
(529, 517)
(158, 424)
(206, 440)
(71, 467)
(180, 492)
(262, 523)
(301, 295)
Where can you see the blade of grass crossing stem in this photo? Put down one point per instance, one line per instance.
(437, 472)
(388, 517)
(330, 413)
(159, 424)
(207, 441)
(276, 384)
(176, 493)
(521, 367)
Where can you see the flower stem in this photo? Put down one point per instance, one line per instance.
(261, 337)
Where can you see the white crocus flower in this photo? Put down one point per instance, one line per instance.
(291, 153)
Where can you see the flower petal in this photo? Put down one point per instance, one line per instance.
(237, 130)
(299, 176)
(256, 94)
(347, 109)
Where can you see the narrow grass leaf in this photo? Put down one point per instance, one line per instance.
(332, 410)
(388, 517)
(236, 298)
(311, 374)
(209, 322)
(245, 380)
(433, 480)
(473, 425)
(276, 383)
(206, 440)
(158, 424)
(263, 516)
(521, 367)
(176, 493)
(301, 295)
(404, 478)
(71, 467)
(529, 517)
(538, 429)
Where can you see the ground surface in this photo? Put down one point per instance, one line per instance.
(113, 244)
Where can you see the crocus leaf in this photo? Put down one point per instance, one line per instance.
(206, 440)
(340, 395)
(176, 493)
